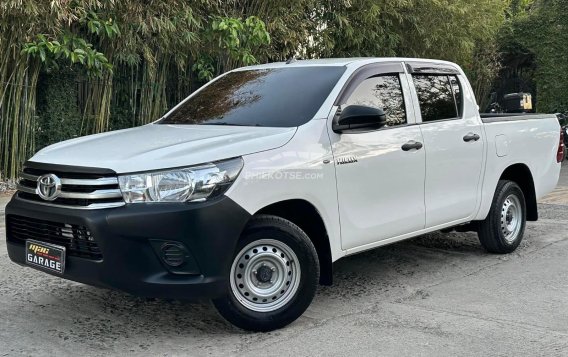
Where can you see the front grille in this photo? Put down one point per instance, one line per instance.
(77, 190)
(76, 239)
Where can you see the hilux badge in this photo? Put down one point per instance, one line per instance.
(346, 160)
(48, 187)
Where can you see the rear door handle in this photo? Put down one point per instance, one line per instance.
(412, 145)
(471, 137)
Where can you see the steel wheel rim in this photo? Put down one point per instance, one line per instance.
(511, 218)
(265, 275)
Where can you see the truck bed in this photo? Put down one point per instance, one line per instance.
(527, 139)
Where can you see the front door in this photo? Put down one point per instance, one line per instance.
(380, 181)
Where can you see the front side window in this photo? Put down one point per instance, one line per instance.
(440, 97)
(383, 92)
(277, 97)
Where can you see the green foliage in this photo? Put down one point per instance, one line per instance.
(107, 28)
(204, 68)
(70, 47)
(229, 41)
(483, 71)
(238, 38)
(443, 29)
(519, 8)
(544, 32)
(59, 118)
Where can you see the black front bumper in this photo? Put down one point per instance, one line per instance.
(127, 239)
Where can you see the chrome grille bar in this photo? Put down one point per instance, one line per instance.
(28, 176)
(25, 189)
(103, 181)
(88, 207)
(95, 195)
(76, 192)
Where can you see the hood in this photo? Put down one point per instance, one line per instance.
(159, 146)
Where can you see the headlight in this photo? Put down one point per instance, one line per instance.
(196, 183)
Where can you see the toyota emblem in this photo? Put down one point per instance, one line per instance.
(48, 187)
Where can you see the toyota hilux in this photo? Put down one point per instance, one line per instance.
(250, 189)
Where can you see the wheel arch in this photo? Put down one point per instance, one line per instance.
(522, 176)
(306, 216)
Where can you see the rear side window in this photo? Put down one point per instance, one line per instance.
(383, 92)
(278, 97)
(440, 97)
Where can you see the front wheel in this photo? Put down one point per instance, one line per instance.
(502, 231)
(273, 277)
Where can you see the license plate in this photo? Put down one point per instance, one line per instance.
(45, 256)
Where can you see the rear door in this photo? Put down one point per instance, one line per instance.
(380, 186)
(453, 142)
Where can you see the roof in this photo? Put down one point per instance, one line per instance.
(309, 62)
(340, 62)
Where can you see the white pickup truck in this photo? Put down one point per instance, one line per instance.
(249, 190)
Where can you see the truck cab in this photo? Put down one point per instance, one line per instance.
(248, 190)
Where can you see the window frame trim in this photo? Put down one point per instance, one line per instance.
(462, 109)
(374, 70)
(366, 72)
(366, 131)
(431, 68)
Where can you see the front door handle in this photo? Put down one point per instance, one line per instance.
(412, 145)
(471, 137)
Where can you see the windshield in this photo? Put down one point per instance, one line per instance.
(278, 97)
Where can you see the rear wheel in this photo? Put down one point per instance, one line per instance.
(503, 229)
(273, 277)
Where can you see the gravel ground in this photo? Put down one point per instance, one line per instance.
(7, 187)
(439, 294)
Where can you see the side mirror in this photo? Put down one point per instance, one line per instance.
(359, 117)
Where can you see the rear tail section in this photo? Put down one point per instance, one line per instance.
(561, 147)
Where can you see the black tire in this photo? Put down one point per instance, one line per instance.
(494, 237)
(261, 228)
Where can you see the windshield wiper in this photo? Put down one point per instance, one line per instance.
(229, 124)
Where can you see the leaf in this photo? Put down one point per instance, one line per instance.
(91, 26)
(116, 29)
(109, 30)
(42, 54)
